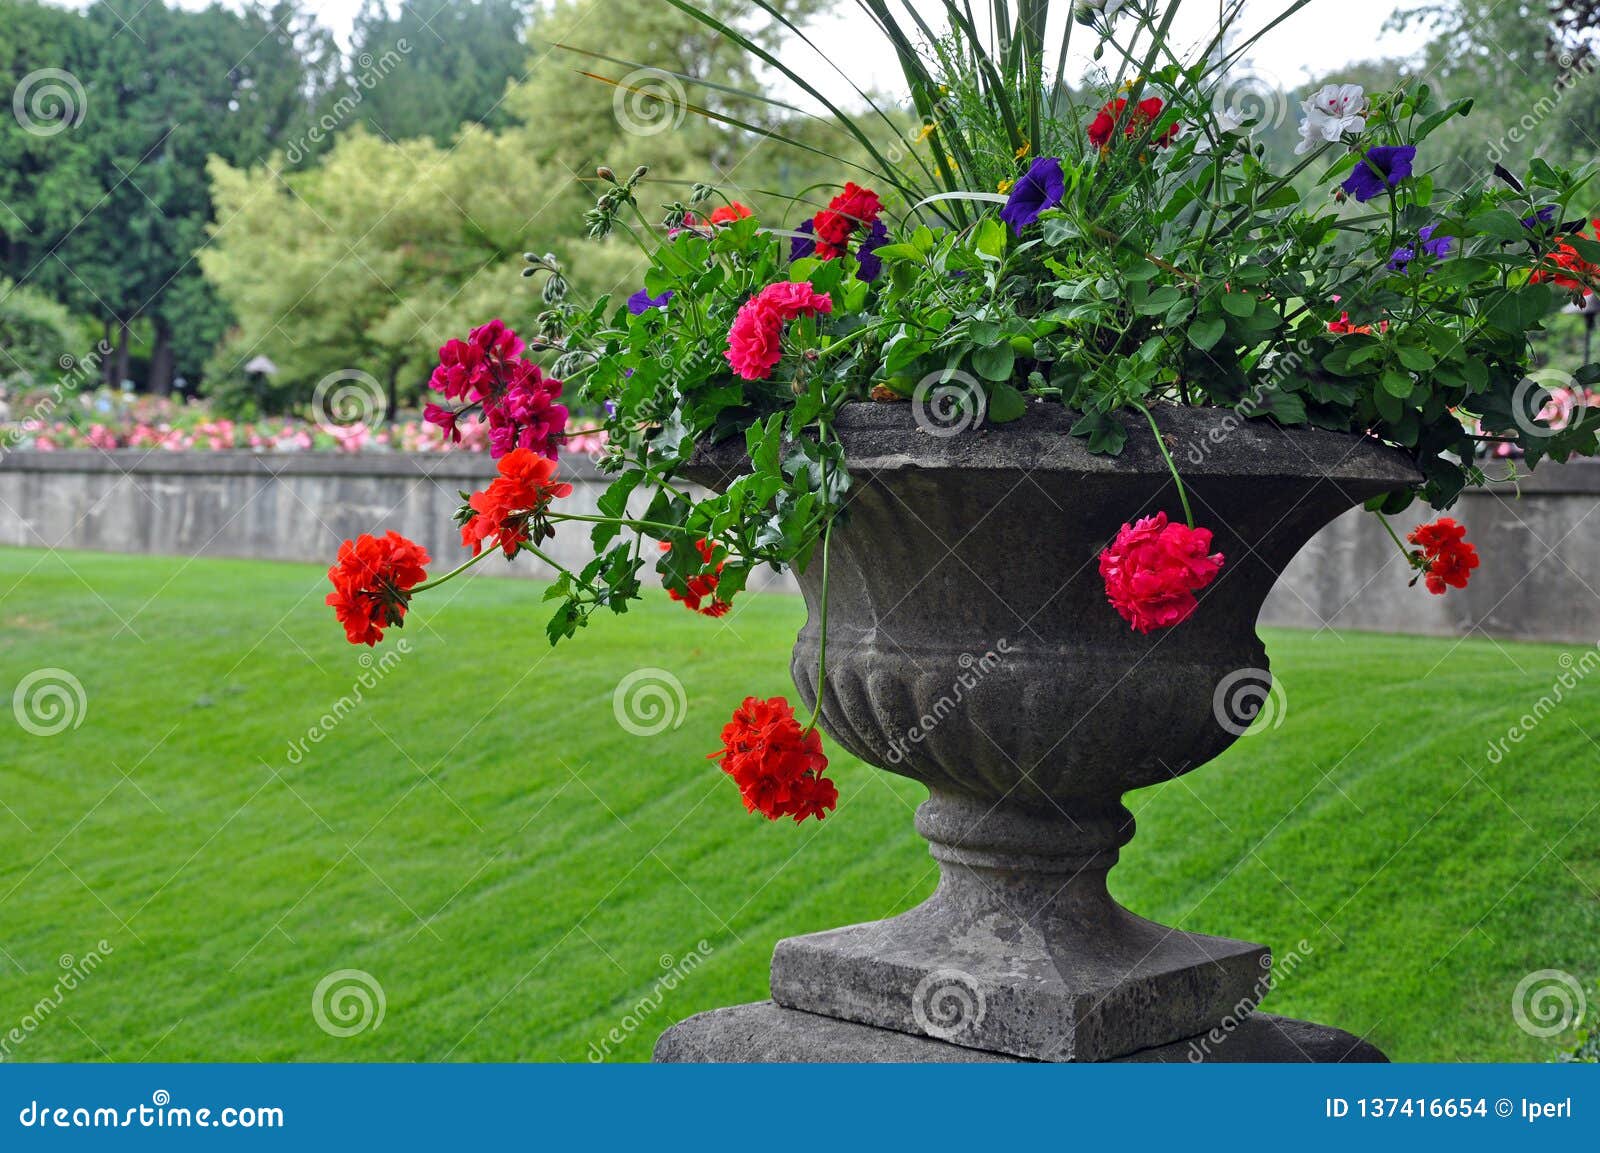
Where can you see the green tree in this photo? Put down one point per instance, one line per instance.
(459, 56)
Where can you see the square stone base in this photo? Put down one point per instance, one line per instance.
(766, 1032)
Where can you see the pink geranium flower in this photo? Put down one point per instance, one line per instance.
(1153, 569)
(755, 342)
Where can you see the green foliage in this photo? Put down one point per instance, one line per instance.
(459, 56)
(35, 333)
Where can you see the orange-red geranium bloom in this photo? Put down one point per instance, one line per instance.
(728, 213)
(777, 765)
(372, 583)
(1567, 259)
(511, 509)
(1446, 559)
(702, 597)
(1148, 111)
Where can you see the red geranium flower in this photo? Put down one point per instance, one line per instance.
(728, 213)
(755, 341)
(1343, 327)
(702, 596)
(777, 765)
(855, 207)
(1153, 569)
(1566, 258)
(1148, 111)
(1446, 559)
(511, 509)
(372, 584)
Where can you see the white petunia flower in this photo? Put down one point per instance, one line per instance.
(1087, 9)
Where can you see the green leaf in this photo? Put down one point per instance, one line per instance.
(1104, 433)
(991, 238)
(994, 362)
(1205, 332)
(1397, 384)
(1005, 403)
(1240, 304)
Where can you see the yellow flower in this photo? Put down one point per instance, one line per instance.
(1004, 186)
(1021, 152)
(925, 132)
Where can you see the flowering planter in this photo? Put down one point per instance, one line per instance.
(971, 647)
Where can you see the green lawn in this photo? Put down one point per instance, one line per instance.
(515, 869)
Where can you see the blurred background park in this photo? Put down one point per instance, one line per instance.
(247, 229)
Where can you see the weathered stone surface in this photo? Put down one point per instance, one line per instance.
(298, 507)
(768, 1032)
(970, 647)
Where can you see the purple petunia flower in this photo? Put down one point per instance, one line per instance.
(866, 255)
(1042, 187)
(1384, 166)
(641, 302)
(1544, 216)
(800, 249)
(1402, 257)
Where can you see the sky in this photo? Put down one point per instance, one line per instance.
(1324, 35)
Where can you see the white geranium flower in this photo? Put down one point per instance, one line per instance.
(1228, 120)
(1331, 112)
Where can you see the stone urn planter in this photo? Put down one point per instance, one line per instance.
(971, 647)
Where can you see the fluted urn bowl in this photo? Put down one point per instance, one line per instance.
(971, 647)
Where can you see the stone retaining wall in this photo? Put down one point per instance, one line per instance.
(1539, 579)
